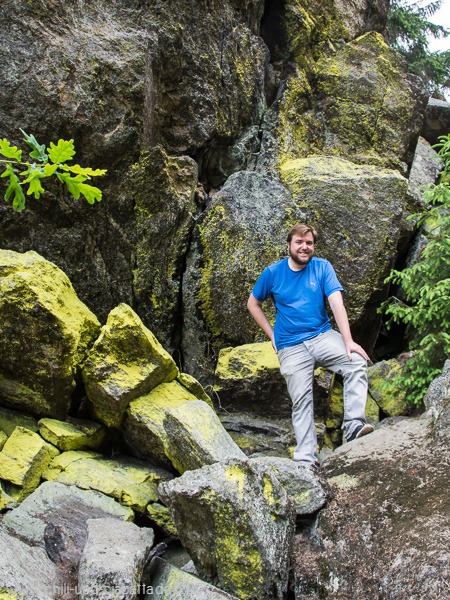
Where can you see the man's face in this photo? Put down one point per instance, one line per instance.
(301, 248)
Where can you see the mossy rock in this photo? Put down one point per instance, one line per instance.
(143, 426)
(73, 434)
(23, 459)
(126, 362)
(10, 419)
(242, 230)
(3, 438)
(165, 204)
(391, 404)
(366, 108)
(129, 481)
(357, 211)
(161, 516)
(247, 525)
(195, 437)
(45, 335)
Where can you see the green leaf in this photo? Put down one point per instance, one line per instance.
(87, 171)
(35, 188)
(38, 149)
(61, 152)
(16, 189)
(10, 151)
(91, 193)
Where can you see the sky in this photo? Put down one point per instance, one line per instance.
(441, 17)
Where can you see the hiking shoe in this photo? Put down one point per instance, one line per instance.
(361, 430)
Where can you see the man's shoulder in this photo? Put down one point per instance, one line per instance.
(320, 263)
(279, 264)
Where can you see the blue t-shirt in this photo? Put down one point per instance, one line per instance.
(299, 298)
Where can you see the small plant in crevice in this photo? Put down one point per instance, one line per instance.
(425, 309)
(25, 177)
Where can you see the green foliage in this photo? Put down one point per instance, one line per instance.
(409, 31)
(426, 289)
(25, 175)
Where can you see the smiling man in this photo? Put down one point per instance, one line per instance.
(303, 337)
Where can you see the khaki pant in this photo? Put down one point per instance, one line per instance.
(297, 364)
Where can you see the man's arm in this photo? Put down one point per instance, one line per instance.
(255, 308)
(340, 314)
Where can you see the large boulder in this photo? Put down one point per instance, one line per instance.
(143, 427)
(385, 531)
(164, 188)
(126, 362)
(189, 77)
(356, 210)
(46, 332)
(366, 107)
(246, 523)
(196, 437)
(242, 230)
(247, 378)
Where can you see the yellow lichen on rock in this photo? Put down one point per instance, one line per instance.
(23, 459)
(72, 434)
(126, 362)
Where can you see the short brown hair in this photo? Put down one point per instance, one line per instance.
(301, 229)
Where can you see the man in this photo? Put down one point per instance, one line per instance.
(303, 337)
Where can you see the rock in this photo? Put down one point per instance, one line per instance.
(391, 403)
(437, 120)
(129, 481)
(165, 206)
(66, 509)
(255, 436)
(10, 419)
(189, 78)
(194, 387)
(424, 171)
(126, 362)
(242, 230)
(72, 434)
(246, 522)
(366, 107)
(303, 487)
(45, 334)
(385, 531)
(170, 583)
(3, 438)
(160, 515)
(247, 378)
(196, 437)
(6, 501)
(143, 429)
(23, 459)
(26, 571)
(437, 402)
(356, 210)
(113, 559)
